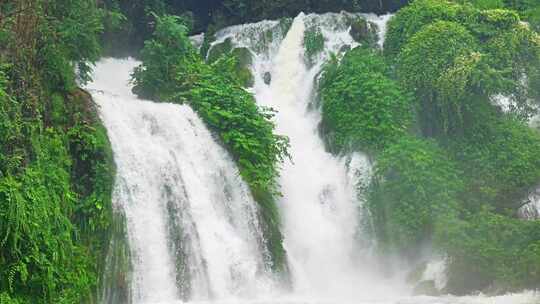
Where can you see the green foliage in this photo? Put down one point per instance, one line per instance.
(445, 62)
(53, 39)
(500, 157)
(430, 52)
(313, 43)
(241, 56)
(56, 169)
(52, 239)
(528, 9)
(164, 57)
(219, 50)
(437, 63)
(490, 250)
(415, 183)
(457, 57)
(514, 56)
(362, 108)
(413, 17)
(482, 23)
(244, 128)
(485, 4)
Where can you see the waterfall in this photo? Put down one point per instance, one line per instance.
(320, 206)
(192, 224)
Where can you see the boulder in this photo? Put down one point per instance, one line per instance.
(363, 31)
(219, 50)
(267, 77)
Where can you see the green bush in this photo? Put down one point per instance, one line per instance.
(512, 56)
(412, 18)
(500, 157)
(362, 108)
(54, 194)
(415, 183)
(163, 57)
(437, 64)
(313, 43)
(487, 250)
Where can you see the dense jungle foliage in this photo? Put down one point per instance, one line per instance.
(457, 180)
(56, 169)
(452, 168)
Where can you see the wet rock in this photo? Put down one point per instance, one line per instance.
(219, 50)
(363, 31)
(243, 72)
(344, 49)
(267, 77)
(243, 55)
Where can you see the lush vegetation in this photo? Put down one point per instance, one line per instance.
(490, 252)
(56, 169)
(415, 184)
(460, 189)
(362, 107)
(173, 71)
(452, 168)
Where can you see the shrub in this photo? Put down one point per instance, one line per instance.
(415, 183)
(412, 18)
(487, 250)
(362, 108)
(500, 157)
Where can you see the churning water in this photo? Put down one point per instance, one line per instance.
(192, 224)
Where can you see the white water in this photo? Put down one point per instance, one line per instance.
(319, 206)
(182, 196)
(174, 180)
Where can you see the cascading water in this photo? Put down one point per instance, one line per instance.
(191, 221)
(320, 210)
(192, 224)
(321, 204)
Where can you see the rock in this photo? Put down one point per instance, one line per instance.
(244, 60)
(359, 29)
(245, 77)
(363, 32)
(219, 50)
(344, 49)
(267, 77)
(243, 55)
(426, 288)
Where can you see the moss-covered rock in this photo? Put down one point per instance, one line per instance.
(219, 50)
(313, 44)
(244, 59)
(243, 56)
(363, 32)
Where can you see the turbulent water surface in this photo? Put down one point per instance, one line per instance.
(192, 224)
